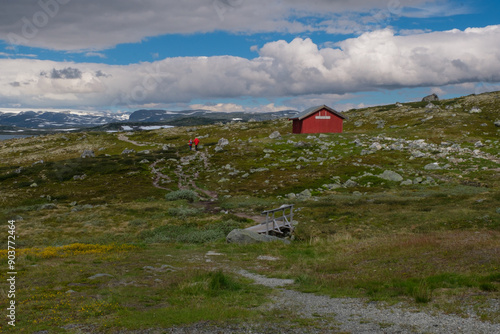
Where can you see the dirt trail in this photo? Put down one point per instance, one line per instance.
(187, 178)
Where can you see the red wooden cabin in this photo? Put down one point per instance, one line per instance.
(321, 119)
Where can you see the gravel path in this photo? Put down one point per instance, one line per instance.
(354, 315)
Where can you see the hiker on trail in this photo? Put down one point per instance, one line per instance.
(190, 143)
(196, 142)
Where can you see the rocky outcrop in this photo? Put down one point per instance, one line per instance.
(430, 98)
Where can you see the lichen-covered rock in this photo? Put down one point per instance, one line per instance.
(389, 175)
(275, 135)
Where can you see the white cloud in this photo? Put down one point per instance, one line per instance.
(97, 24)
(372, 61)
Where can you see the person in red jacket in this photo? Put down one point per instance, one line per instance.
(196, 142)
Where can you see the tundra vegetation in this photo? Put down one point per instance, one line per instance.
(403, 207)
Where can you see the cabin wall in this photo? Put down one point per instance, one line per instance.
(321, 122)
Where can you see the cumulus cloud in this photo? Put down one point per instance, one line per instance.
(97, 24)
(372, 61)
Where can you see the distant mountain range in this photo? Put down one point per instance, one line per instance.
(45, 120)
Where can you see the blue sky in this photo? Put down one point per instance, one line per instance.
(228, 55)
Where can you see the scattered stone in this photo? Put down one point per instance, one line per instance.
(163, 268)
(34, 185)
(475, 110)
(399, 105)
(380, 124)
(100, 275)
(261, 169)
(391, 176)
(407, 183)
(497, 123)
(305, 194)
(71, 291)
(48, 206)
(19, 170)
(418, 154)
(223, 142)
(88, 154)
(430, 98)
(128, 151)
(357, 193)
(267, 258)
(432, 166)
(350, 184)
(478, 144)
(245, 237)
(144, 161)
(145, 152)
(212, 253)
(302, 144)
(332, 186)
(358, 124)
(275, 135)
(266, 150)
(39, 162)
(79, 177)
(291, 196)
(376, 146)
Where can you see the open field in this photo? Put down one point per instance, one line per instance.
(403, 208)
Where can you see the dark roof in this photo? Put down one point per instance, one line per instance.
(313, 110)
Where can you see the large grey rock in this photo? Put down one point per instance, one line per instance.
(350, 184)
(88, 154)
(432, 166)
(430, 98)
(389, 175)
(245, 237)
(497, 123)
(223, 142)
(275, 135)
(305, 194)
(475, 110)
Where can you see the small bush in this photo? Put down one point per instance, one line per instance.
(188, 195)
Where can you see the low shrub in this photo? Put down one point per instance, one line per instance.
(188, 195)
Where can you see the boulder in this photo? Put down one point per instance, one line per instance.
(430, 98)
(223, 142)
(497, 123)
(88, 154)
(350, 184)
(245, 237)
(475, 110)
(432, 166)
(389, 175)
(275, 135)
(305, 194)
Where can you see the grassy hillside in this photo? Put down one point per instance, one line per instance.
(404, 206)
